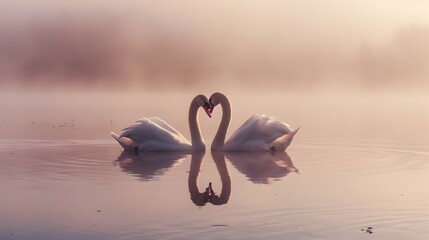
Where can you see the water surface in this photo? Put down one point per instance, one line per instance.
(358, 169)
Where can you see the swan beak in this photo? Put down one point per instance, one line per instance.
(209, 113)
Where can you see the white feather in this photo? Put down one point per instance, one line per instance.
(152, 134)
(260, 133)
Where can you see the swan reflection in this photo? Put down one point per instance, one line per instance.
(261, 167)
(209, 195)
(148, 165)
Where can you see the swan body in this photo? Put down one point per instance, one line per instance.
(259, 133)
(154, 134)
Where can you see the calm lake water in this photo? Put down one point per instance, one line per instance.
(358, 169)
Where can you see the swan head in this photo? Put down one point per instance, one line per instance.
(215, 99)
(208, 108)
(203, 102)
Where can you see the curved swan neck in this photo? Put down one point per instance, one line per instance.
(196, 139)
(219, 139)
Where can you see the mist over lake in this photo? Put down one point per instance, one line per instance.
(352, 76)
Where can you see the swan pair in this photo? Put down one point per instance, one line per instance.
(258, 133)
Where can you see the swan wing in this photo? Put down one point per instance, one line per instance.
(261, 126)
(165, 125)
(257, 133)
(127, 143)
(150, 135)
(281, 143)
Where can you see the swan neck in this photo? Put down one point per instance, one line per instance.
(219, 139)
(196, 139)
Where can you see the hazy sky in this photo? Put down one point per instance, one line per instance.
(154, 43)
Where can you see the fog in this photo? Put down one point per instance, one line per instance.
(167, 44)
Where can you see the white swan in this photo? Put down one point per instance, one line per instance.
(259, 133)
(153, 134)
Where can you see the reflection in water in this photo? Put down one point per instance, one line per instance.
(260, 167)
(148, 165)
(200, 199)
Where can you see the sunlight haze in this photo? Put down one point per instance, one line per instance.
(297, 44)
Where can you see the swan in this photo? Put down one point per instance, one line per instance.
(259, 133)
(153, 134)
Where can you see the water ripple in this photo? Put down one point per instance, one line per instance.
(26, 160)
